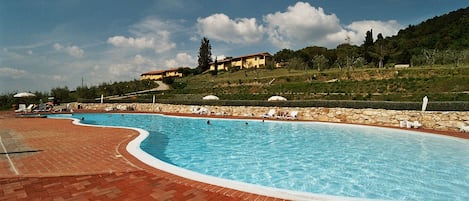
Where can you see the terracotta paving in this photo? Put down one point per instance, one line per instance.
(55, 160)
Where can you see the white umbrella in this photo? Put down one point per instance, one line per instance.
(24, 95)
(425, 103)
(277, 98)
(210, 97)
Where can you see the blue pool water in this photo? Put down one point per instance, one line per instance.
(320, 158)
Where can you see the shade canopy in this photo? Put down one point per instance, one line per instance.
(210, 97)
(277, 98)
(24, 95)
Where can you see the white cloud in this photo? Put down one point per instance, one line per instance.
(303, 25)
(149, 33)
(139, 43)
(239, 31)
(73, 50)
(300, 25)
(12, 73)
(359, 28)
(181, 60)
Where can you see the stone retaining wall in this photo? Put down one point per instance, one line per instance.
(437, 120)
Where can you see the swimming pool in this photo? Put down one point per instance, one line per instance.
(317, 158)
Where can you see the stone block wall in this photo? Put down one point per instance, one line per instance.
(437, 120)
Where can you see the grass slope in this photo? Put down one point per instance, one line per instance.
(438, 83)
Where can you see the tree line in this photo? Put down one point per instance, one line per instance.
(64, 94)
(442, 40)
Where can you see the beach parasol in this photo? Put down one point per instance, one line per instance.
(277, 98)
(24, 95)
(210, 97)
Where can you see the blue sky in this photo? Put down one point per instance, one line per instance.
(55, 43)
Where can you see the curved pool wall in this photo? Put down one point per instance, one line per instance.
(134, 148)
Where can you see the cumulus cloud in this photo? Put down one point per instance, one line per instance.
(298, 26)
(12, 73)
(239, 31)
(72, 50)
(149, 33)
(302, 24)
(181, 60)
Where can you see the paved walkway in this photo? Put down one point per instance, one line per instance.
(48, 159)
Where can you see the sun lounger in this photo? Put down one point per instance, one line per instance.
(416, 124)
(30, 108)
(21, 108)
(43, 108)
(293, 115)
(402, 124)
(200, 110)
(464, 128)
(121, 107)
(270, 114)
(409, 124)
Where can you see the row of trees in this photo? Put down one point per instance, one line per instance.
(372, 53)
(379, 53)
(439, 40)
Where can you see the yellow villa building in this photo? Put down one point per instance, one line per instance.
(258, 60)
(160, 74)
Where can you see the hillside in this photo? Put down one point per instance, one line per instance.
(446, 32)
(449, 31)
(439, 83)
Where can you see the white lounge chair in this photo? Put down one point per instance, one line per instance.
(408, 124)
(403, 124)
(293, 115)
(21, 108)
(30, 108)
(204, 110)
(195, 109)
(464, 128)
(416, 124)
(270, 114)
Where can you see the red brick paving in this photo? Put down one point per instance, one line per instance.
(89, 163)
(72, 162)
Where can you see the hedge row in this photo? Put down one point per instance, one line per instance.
(432, 106)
